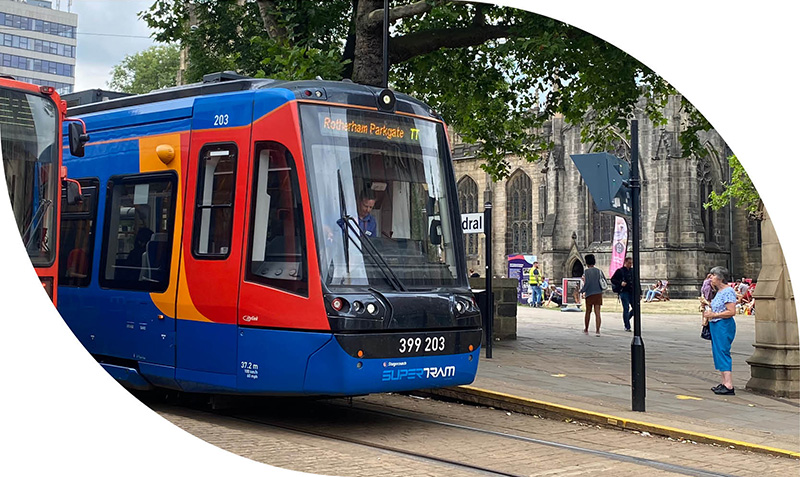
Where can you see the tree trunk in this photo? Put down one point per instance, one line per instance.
(775, 364)
(368, 62)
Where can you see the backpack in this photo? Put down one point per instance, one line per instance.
(616, 285)
(603, 281)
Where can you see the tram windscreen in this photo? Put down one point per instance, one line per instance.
(380, 199)
(28, 134)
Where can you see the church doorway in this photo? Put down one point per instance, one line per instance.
(577, 269)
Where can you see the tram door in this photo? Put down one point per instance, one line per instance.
(279, 262)
(212, 239)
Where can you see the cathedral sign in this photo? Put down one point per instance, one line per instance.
(472, 223)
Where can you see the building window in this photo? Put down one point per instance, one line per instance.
(706, 214)
(43, 66)
(519, 214)
(468, 201)
(277, 255)
(25, 23)
(754, 233)
(77, 236)
(213, 219)
(137, 240)
(43, 46)
(61, 88)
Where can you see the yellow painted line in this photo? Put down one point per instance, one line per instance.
(558, 375)
(618, 421)
(688, 398)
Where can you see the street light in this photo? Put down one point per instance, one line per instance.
(615, 188)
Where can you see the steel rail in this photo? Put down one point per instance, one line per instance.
(394, 450)
(409, 415)
(605, 454)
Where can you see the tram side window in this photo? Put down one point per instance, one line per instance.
(277, 244)
(77, 236)
(137, 240)
(213, 217)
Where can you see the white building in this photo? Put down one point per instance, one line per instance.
(38, 43)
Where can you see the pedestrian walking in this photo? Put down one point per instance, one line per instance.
(535, 282)
(622, 284)
(592, 291)
(722, 327)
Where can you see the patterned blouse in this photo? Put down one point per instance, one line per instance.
(723, 297)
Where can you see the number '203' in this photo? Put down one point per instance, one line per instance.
(220, 120)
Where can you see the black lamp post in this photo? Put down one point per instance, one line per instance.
(637, 345)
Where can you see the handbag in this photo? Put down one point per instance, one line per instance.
(705, 333)
(603, 281)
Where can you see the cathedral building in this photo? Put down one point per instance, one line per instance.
(544, 209)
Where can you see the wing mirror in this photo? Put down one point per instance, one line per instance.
(77, 138)
(72, 187)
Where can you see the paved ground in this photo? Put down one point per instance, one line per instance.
(552, 360)
(355, 456)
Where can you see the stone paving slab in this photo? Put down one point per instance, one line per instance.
(552, 360)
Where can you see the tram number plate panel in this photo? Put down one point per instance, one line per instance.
(399, 344)
(414, 345)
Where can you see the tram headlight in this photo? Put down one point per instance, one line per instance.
(339, 304)
(386, 100)
(355, 306)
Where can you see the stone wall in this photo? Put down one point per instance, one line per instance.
(505, 305)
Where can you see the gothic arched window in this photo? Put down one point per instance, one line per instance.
(468, 202)
(519, 214)
(706, 214)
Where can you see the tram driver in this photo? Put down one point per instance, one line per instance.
(367, 223)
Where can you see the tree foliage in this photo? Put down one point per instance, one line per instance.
(740, 189)
(494, 73)
(153, 68)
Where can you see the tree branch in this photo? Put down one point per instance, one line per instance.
(404, 11)
(274, 30)
(420, 43)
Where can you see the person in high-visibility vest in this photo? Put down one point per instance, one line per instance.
(535, 282)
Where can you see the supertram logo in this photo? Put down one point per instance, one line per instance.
(419, 373)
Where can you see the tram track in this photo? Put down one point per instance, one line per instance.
(340, 420)
(585, 450)
(395, 450)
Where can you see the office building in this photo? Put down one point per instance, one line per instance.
(38, 43)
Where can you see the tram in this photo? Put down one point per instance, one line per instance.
(253, 236)
(31, 119)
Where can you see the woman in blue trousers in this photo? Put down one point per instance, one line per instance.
(722, 327)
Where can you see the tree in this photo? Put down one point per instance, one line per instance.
(741, 189)
(494, 73)
(148, 70)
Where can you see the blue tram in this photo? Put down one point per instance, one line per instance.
(254, 236)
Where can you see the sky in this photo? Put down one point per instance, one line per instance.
(108, 30)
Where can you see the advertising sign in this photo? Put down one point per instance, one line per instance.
(619, 246)
(518, 268)
(572, 291)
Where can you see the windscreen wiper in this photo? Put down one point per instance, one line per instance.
(44, 204)
(374, 254)
(343, 214)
